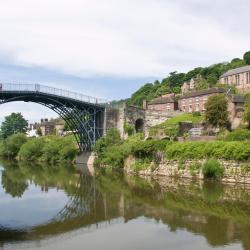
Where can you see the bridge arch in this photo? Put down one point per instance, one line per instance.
(84, 115)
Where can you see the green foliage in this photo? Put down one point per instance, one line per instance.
(171, 126)
(237, 62)
(112, 138)
(129, 129)
(247, 57)
(216, 113)
(11, 146)
(195, 168)
(39, 131)
(13, 124)
(141, 164)
(172, 83)
(32, 150)
(239, 151)
(212, 169)
(203, 84)
(58, 149)
(48, 149)
(238, 135)
(114, 155)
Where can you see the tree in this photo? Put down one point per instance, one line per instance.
(13, 124)
(39, 131)
(247, 57)
(216, 113)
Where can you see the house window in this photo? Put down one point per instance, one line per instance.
(190, 108)
(197, 99)
(237, 78)
(197, 107)
(248, 77)
(226, 80)
(184, 108)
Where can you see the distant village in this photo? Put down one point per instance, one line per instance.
(189, 101)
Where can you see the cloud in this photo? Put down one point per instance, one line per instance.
(121, 38)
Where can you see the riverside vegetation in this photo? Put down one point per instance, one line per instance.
(112, 151)
(50, 149)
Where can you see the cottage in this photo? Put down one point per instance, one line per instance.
(163, 103)
(240, 78)
(195, 101)
(51, 127)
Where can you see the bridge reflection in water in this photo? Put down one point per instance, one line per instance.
(220, 213)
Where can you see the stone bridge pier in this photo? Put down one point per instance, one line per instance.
(141, 119)
(118, 117)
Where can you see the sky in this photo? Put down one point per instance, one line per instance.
(109, 48)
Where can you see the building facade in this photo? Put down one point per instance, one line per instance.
(52, 127)
(195, 101)
(240, 78)
(164, 103)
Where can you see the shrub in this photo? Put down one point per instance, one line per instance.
(141, 164)
(239, 151)
(212, 169)
(59, 149)
(195, 168)
(129, 129)
(11, 146)
(238, 135)
(32, 150)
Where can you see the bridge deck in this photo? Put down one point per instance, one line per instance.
(42, 89)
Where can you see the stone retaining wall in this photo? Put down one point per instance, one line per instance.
(235, 172)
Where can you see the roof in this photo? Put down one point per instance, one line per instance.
(162, 100)
(204, 92)
(236, 71)
(238, 98)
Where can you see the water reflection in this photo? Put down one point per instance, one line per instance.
(220, 213)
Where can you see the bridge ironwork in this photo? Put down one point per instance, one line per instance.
(83, 114)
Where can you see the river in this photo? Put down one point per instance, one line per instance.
(60, 207)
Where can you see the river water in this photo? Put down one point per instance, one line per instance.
(59, 207)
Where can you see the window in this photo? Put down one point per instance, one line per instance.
(237, 79)
(197, 99)
(197, 107)
(190, 108)
(226, 80)
(248, 77)
(184, 108)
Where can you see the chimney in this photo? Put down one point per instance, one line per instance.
(144, 104)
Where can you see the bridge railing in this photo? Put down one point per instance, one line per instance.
(52, 91)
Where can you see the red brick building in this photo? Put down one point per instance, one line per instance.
(163, 103)
(195, 101)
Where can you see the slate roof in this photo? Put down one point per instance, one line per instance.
(162, 100)
(236, 71)
(203, 92)
(238, 98)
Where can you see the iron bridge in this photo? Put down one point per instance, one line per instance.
(83, 114)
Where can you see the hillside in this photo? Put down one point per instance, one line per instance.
(173, 82)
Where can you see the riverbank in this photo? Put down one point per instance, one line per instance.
(228, 161)
(48, 149)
